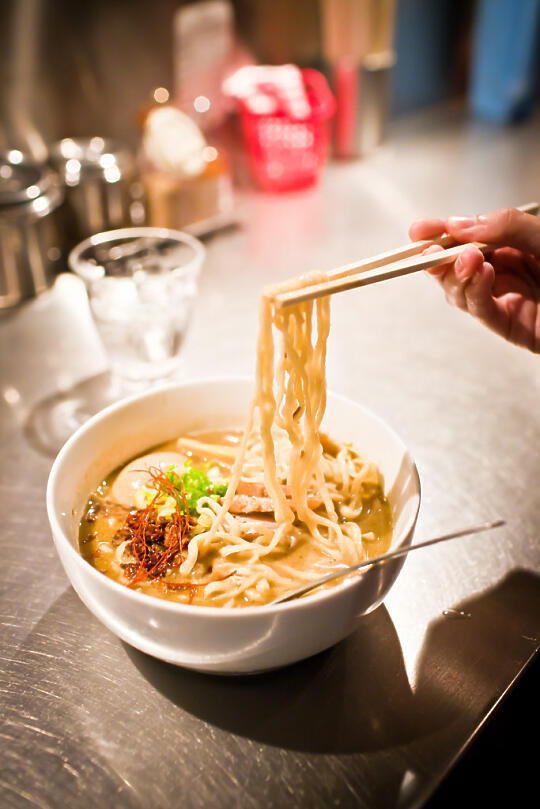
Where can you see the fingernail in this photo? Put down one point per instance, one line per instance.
(463, 221)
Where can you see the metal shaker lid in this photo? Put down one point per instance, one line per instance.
(27, 188)
(79, 158)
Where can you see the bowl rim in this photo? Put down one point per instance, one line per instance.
(235, 613)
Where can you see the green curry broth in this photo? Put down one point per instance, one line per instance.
(103, 520)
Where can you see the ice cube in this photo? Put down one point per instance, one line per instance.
(113, 299)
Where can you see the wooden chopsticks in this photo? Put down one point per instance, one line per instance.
(392, 264)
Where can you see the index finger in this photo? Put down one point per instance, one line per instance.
(427, 228)
(507, 227)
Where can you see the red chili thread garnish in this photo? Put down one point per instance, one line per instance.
(146, 531)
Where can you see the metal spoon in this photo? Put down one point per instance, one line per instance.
(346, 571)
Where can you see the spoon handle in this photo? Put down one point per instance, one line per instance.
(338, 574)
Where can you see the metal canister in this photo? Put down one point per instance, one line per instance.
(31, 236)
(101, 184)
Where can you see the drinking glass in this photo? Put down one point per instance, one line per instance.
(141, 284)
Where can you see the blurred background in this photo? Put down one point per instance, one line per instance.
(81, 83)
(82, 149)
(72, 69)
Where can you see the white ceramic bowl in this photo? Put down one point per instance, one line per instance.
(216, 639)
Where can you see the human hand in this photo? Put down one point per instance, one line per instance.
(502, 288)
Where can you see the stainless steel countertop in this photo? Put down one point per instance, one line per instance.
(377, 720)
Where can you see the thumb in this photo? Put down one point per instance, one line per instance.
(506, 227)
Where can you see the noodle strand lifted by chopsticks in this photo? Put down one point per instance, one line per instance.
(290, 398)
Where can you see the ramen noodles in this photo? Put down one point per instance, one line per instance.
(232, 519)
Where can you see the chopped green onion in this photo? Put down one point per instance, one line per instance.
(190, 483)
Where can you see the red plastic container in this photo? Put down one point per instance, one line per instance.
(288, 153)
